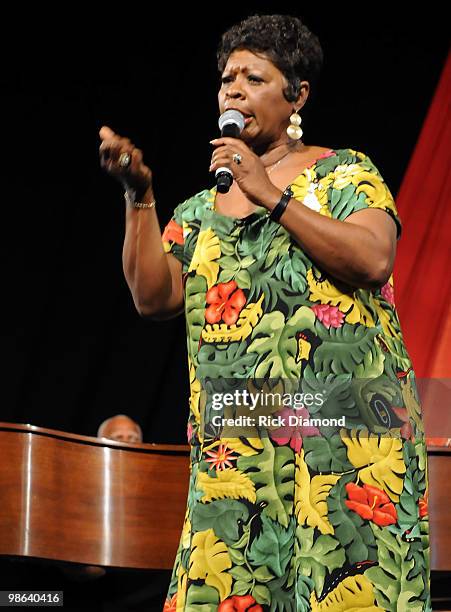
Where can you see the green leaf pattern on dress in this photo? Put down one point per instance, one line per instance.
(336, 518)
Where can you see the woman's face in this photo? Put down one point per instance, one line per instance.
(253, 85)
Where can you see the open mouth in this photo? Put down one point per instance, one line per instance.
(245, 115)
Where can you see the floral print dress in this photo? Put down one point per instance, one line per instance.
(328, 515)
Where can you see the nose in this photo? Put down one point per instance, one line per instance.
(235, 94)
(235, 90)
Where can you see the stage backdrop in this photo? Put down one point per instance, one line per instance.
(423, 263)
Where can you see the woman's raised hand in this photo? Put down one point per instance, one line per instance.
(121, 159)
(249, 172)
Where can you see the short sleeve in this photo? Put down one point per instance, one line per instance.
(172, 237)
(180, 234)
(356, 184)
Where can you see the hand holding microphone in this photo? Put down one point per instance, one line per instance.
(249, 172)
(231, 123)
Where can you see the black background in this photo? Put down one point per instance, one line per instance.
(74, 349)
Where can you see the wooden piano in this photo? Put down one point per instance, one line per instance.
(90, 500)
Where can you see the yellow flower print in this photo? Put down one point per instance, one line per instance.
(207, 250)
(386, 321)
(186, 531)
(304, 348)
(195, 389)
(323, 291)
(377, 193)
(345, 174)
(301, 184)
(356, 153)
(181, 588)
(323, 199)
(316, 199)
(353, 593)
(311, 192)
(326, 181)
(186, 229)
(210, 561)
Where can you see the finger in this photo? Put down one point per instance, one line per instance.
(111, 143)
(110, 155)
(226, 141)
(109, 150)
(106, 133)
(220, 152)
(104, 153)
(105, 146)
(137, 156)
(135, 164)
(221, 162)
(226, 153)
(112, 149)
(111, 167)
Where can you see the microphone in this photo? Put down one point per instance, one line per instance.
(231, 123)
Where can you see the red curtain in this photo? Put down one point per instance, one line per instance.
(423, 264)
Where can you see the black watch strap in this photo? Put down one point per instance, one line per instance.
(279, 208)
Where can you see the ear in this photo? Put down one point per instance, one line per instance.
(303, 95)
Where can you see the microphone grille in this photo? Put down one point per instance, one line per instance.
(231, 116)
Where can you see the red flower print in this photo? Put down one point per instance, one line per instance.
(423, 505)
(170, 605)
(326, 154)
(403, 373)
(226, 302)
(239, 603)
(406, 430)
(293, 434)
(173, 233)
(330, 316)
(221, 458)
(371, 503)
(189, 432)
(388, 293)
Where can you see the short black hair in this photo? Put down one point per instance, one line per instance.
(285, 40)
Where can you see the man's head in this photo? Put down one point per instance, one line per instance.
(121, 428)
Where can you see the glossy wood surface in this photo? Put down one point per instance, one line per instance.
(90, 500)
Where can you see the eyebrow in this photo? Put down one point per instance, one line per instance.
(243, 69)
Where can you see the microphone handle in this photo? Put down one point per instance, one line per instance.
(230, 130)
(224, 176)
(224, 179)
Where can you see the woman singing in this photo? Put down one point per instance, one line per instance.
(319, 500)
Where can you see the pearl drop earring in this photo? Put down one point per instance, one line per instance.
(294, 130)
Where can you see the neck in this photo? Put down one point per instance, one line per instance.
(273, 152)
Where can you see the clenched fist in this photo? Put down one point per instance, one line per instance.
(134, 175)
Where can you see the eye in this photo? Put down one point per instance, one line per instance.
(226, 79)
(255, 79)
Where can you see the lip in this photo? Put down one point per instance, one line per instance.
(246, 115)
